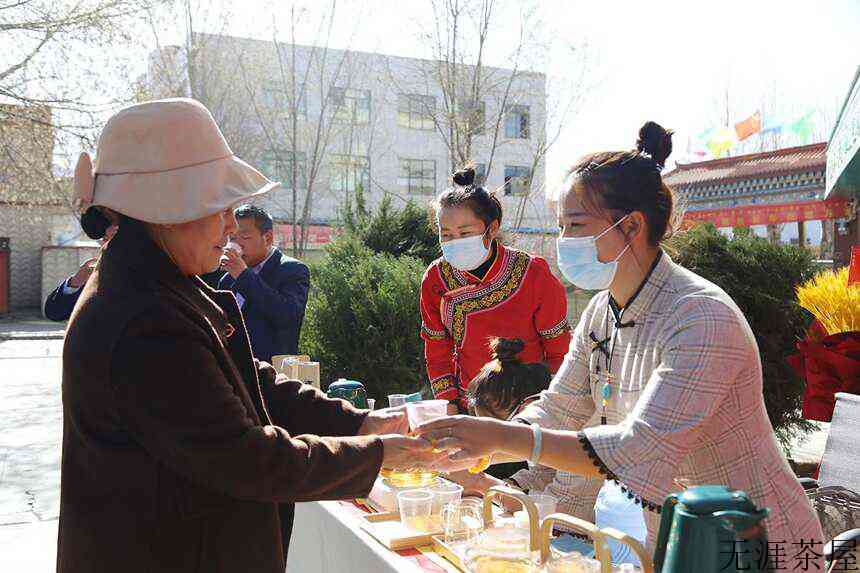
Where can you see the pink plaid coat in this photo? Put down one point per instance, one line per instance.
(685, 400)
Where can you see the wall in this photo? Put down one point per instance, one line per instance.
(29, 229)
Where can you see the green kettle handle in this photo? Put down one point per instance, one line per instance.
(667, 515)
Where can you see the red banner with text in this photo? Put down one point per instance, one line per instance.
(749, 215)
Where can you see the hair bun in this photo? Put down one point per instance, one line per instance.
(506, 349)
(465, 176)
(655, 141)
(95, 223)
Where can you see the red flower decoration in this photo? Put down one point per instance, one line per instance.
(828, 365)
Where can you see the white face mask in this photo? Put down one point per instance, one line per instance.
(467, 253)
(577, 259)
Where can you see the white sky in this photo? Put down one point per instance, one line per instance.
(666, 60)
(670, 61)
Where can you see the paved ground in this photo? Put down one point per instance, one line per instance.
(29, 325)
(30, 435)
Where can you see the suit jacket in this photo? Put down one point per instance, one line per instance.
(274, 306)
(58, 305)
(213, 279)
(175, 450)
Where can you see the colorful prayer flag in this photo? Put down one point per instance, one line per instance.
(772, 125)
(748, 127)
(722, 142)
(802, 127)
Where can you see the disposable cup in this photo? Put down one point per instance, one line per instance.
(396, 400)
(415, 506)
(424, 411)
(444, 492)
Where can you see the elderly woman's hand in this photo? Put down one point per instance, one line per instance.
(385, 421)
(404, 453)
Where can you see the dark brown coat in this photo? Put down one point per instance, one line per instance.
(174, 453)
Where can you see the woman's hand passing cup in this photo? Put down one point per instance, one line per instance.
(467, 439)
(400, 452)
(406, 453)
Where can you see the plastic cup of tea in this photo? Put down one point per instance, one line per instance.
(371, 403)
(444, 492)
(424, 411)
(415, 506)
(545, 504)
(395, 400)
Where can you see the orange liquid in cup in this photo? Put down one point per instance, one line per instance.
(409, 478)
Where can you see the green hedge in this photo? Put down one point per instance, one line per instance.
(363, 320)
(405, 231)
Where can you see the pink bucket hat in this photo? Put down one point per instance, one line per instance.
(165, 162)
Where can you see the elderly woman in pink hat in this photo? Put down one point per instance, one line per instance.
(177, 444)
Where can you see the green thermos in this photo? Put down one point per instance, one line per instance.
(350, 390)
(711, 529)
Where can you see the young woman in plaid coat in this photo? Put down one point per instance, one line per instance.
(662, 386)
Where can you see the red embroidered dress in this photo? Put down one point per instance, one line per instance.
(517, 298)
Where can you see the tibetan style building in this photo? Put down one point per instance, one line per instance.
(768, 190)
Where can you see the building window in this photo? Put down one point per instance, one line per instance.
(517, 122)
(416, 111)
(418, 175)
(278, 165)
(276, 98)
(480, 173)
(517, 179)
(350, 171)
(350, 106)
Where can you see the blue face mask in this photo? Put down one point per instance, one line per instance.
(577, 259)
(466, 254)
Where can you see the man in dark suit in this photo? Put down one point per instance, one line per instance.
(61, 302)
(272, 288)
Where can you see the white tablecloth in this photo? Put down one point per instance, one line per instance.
(327, 539)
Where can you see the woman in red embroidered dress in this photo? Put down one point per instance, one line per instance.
(481, 289)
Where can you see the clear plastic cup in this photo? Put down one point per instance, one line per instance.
(371, 403)
(444, 492)
(424, 411)
(395, 400)
(416, 506)
(545, 503)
